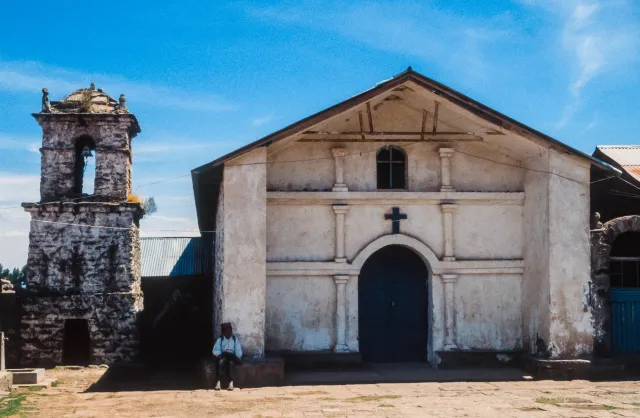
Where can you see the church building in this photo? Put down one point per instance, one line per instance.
(404, 223)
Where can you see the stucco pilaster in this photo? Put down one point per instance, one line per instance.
(448, 285)
(341, 213)
(338, 155)
(341, 313)
(448, 210)
(556, 287)
(445, 169)
(243, 282)
(571, 328)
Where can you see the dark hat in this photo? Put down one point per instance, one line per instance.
(226, 325)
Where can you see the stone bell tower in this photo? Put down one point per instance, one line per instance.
(83, 289)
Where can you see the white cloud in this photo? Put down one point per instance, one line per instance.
(18, 142)
(14, 221)
(456, 42)
(168, 226)
(18, 188)
(600, 37)
(14, 236)
(262, 120)
(33, 76)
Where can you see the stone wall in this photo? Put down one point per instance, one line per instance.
(112, 320)
(77, 271)
(112, 137)
(601, 243)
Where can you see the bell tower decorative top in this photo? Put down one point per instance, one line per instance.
(86, 124)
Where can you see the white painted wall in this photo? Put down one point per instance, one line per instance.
(310, 166)
(301, 311)
(241, 281)
(486, 232)
(499, 310)
(557, 262)
(571, 327)
(300, 232)
(535, 289)
(489, 312)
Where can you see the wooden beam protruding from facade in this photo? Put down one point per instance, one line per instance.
(424, 123)
(370, 117)
(435, 116)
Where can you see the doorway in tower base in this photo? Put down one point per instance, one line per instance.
(393, 306)
(76, 349)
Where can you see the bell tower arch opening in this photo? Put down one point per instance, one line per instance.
(84, 169)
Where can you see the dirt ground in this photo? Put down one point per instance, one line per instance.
(75, 395)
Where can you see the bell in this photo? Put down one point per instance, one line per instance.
(86, 152)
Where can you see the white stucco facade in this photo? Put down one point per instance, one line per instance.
(499, 219)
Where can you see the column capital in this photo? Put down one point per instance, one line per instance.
(339, 152)
(340, 209)
(448, 207)
(341, 278)
(448, 278)
(446, 152)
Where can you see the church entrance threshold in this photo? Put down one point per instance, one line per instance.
(392, 300)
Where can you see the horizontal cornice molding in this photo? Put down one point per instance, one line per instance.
(329, 268)
(394, 197)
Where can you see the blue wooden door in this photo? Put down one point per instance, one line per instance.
(392, 304)
(625, 320)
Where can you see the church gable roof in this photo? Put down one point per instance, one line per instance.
(493, 117)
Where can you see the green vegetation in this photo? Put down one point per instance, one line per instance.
(36, 388)
(55, 383)
(12, 404)
(15, 276)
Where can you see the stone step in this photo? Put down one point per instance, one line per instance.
(309, 360)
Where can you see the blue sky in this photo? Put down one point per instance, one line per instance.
(204, 78)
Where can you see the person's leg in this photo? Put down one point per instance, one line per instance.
(231, 361)
(218, 373)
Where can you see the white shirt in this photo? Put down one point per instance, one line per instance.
(224, 345)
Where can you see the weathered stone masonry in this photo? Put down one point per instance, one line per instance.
(602, 240)
(84, 251)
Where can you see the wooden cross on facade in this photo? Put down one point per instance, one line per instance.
(395, 217)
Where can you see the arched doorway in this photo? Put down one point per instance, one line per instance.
(624, 276)
(614, 250)
(392, 304)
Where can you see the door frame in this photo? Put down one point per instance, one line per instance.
(431, 263)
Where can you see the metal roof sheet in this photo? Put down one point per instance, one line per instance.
(175, 256)
(627, 156)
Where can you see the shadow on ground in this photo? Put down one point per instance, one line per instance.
(149, 377)
(370, 373)
(188, 376)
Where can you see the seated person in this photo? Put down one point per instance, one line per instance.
(228, 352)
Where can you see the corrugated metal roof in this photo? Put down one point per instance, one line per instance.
(628, 156)
(175, 256)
